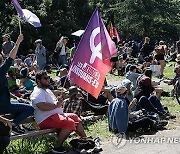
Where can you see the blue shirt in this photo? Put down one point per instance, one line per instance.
(118, 114)
(29, 84)
(4, 91)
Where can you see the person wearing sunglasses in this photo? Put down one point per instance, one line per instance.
(49, 113)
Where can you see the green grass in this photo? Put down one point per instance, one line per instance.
(97, 129)
(169, 70)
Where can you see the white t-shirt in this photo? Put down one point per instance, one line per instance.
(45, 96)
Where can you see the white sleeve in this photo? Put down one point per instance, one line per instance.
(38, 97)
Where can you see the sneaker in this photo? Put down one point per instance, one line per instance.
(17, 130)
(59, 150)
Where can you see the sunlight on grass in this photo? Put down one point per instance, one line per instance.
(169, 70)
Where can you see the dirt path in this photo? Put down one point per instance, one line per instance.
(163, 142)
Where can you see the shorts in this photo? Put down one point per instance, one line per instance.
(66, 121)
(159, 57)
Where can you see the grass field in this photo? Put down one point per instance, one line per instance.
(97, 129)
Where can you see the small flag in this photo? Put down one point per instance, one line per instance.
(116, 34)
(27, 15)
(113, 32)
(91, 62)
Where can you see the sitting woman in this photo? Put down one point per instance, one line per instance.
(144, 93)
(145, 86)
(150, 103)
(5, 128)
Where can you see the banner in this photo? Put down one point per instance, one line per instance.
(27, 15)
(91, 62)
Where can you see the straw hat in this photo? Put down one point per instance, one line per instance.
(73, 90)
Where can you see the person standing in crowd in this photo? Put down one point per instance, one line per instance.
(160, 52)
(114, 58)
(20, 110)
(7, 45)
(40, 53)
(146, 48)
(178, 46)
(61, 50)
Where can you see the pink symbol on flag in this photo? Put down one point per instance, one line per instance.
(93, 53)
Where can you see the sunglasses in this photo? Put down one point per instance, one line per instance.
(46, 78)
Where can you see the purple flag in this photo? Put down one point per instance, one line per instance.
(27, 15)
(91, 62)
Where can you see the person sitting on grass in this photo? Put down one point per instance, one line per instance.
(26, 83)
(151, 104)
(132, 76)
(174, 80)
(20, 110)
(49, 113)
(73, 104)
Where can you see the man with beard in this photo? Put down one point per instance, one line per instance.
(49, 114)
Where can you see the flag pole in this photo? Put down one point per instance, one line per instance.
(20, 31)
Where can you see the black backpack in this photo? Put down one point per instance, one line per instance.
(83, 143)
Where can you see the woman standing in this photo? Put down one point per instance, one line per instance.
(40, 53)
(159, 54)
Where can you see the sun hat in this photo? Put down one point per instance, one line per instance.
(73, 90)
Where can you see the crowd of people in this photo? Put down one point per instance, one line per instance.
(26, 88)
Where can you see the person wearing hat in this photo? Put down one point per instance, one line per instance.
(73, 104)
(152, 104)
(118, 111)
(7, 45)
(49, 113)
(40, 53)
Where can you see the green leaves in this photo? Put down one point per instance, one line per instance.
(133, 18)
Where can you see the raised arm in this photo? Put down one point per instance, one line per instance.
(16, 46)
